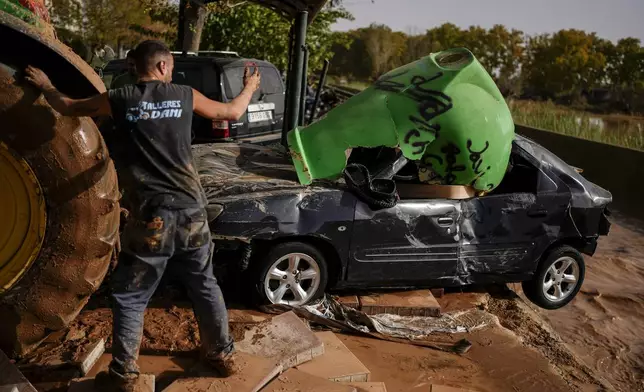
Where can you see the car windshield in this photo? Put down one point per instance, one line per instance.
(234, 81)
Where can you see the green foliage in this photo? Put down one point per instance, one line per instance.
(86, 24)
(258, 32)
(626, 63)
(565, 62)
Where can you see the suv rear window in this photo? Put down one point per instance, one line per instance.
(188, 76)
(271, 81)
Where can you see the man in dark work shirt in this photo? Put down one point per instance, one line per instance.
(153, 120)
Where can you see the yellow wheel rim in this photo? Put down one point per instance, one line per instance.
(23, 217)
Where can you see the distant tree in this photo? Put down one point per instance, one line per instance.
(89, 24)
(564, 63)
(350, 57)
(626, 63)
(417, 46)
(196, 13)
(383, 46)
(256, 31)
(445, 36)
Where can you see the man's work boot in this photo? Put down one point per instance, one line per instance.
(226, 364)
(108, 382)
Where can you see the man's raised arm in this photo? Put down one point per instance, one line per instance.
(232, 110)
(97, 105)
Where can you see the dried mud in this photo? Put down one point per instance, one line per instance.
(604, 324)
(594, 344)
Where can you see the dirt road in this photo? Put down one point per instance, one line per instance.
(604, 325)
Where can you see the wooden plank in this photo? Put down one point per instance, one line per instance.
(338, 363)
(368, 386)
(253, 374)
(404, 303)
(88, 359)
(284, 338)
(297, 381)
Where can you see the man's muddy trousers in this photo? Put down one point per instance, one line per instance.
(155, 239)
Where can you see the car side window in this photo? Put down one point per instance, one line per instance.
(523, 176)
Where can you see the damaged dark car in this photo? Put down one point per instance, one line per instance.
(294, 242)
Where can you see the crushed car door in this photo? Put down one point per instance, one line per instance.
(415, 241)
(505, 233)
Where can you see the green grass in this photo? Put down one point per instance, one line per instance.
(619, 130)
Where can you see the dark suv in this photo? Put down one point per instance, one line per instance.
(219, 77)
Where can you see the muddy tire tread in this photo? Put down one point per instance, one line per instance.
(80, 187)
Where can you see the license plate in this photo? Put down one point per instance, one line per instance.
(260, 116)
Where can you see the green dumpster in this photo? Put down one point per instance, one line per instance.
(443, 110)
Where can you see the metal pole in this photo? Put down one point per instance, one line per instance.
(294, 93)
(318, 92)
(305, 71)
(289, 67)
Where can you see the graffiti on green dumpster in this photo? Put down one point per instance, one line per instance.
(443, 111)
(430, 104)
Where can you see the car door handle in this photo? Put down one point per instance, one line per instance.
(445, 221)
(538, 212)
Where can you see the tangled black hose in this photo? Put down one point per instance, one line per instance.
(378, 193)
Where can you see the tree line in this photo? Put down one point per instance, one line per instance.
(569, 65)
(249, 29)
(565, 65)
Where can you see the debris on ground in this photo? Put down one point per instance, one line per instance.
(331, 313)
(471, 349)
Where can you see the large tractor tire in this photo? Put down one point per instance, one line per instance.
(59, 209)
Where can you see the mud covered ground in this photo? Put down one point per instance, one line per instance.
(594, 344)
(604, 325)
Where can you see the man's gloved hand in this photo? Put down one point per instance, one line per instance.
(252, 81)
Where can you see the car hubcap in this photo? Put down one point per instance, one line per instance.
(22, 208)
(292, 280)
(561, 279)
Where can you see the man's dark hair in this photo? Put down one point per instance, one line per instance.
(130, 54)
(148, 54)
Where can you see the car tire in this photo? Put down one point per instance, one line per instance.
(552, 286)
(292, 288)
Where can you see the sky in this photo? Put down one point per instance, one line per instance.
(611, 19)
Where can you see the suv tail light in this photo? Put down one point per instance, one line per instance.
(220, 128)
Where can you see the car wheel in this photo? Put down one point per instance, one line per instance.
(292, 273)
(558, 278)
